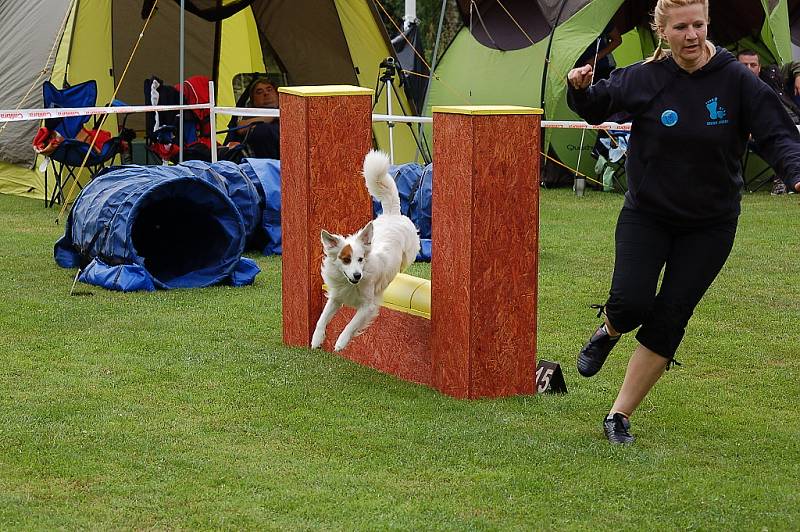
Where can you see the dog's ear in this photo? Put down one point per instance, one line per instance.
(329, 241)
(365, 235)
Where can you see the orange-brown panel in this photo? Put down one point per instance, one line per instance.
(504, 255)
(323, 143)
(396, 343)
(451, 233)
(484, 265)
(297, 279)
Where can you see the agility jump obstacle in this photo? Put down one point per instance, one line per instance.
(470, 332)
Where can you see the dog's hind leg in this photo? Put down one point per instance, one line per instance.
(363, 317)
(322, 323)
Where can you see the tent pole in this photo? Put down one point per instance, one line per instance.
(547, 56)
(212, 113)
(180, 82)
(388, 91)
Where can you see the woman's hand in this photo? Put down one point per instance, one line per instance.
(580, 77)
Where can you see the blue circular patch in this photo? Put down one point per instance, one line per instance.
(669, 118)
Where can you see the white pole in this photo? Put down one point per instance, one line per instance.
(212, 116)
(388, 91)
(180, 92)
(411, 14)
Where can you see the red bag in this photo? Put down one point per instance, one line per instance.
(46, 142)
(86, 135)
(165, 151)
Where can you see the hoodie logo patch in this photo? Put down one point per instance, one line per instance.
(669, 118)
(716, 113)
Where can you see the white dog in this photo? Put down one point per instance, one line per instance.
(358, 268)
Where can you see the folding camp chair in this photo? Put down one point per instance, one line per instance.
(610, 151)
(162, 127)
(68, 157)
(762, 177)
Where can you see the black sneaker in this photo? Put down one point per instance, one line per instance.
(616, 429)
(594, 353)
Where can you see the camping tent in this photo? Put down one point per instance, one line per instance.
(305, 42)
(520, 52)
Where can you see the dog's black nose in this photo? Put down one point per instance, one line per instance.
(357, 276)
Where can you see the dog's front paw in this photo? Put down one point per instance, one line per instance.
(317, 339)
(341, 342)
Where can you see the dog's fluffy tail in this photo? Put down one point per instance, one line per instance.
(379, 183)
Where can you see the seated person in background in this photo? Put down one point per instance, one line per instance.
(778, 79)
(790, 72)
(774, 77)
(262, 138)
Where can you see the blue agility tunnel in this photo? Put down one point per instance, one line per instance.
(265, 174)
(147, 227)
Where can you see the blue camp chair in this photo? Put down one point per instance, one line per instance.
(67, 159)
(162, 127)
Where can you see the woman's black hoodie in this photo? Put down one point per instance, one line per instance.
(689, 133)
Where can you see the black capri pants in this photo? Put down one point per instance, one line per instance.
(691, 259)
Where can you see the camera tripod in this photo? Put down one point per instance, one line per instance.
(386, 79)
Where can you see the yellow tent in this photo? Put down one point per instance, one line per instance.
(302, 41)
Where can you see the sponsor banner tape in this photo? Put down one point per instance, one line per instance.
(18, 115)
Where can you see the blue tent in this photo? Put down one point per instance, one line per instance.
(147, 227)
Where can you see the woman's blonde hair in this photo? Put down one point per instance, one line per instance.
(660, 22)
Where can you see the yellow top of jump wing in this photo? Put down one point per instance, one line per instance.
(326, 90)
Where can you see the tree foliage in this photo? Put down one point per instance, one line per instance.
(428, 13)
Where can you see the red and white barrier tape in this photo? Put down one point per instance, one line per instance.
(576, 124)
(40, 114)
(64, 112)
(553, 124)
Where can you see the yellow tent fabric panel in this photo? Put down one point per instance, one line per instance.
(21, 181)
(90, 56)
(367, 43)
(240, 52)
(60, 65)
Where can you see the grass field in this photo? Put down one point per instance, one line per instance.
(183, 410)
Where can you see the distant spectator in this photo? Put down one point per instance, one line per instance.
(262, 138)
(776, 77)
(790, 72)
